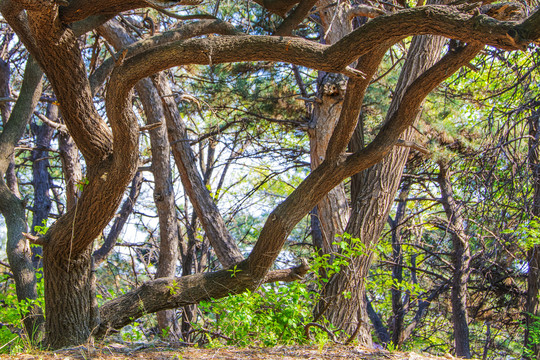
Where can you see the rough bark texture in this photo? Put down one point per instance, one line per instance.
(111, 150)
(12, 208)
(375, 191)
(5, 110)
(333, 210)
(40, 177)
(461, 258)
(75, 314)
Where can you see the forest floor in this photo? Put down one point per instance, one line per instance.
(143, 351)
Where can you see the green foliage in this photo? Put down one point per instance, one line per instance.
(326, 265)
(174, 288)
(534, 336)
(272, 315)
(13, 337)
(527, 233)
(82, 183)
(234, 271)
(42, 230)
(277, 314)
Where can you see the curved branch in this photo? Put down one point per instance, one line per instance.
(21, 113)
(183, 32)
(81, 9)
(295, 18)
(170, 293)
(158, 54)
(414, 95)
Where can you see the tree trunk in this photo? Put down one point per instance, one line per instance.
(163, 197)
(333, 210)
(12, 208)
(375, 190)
(532, 307)
(398, 311)
(5, 110)
(41, 178)
(461, 256)
(72, 312)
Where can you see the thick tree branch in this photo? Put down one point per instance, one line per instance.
(183, 32)
(158, 54)
(81, 9)
(288, 275)
(413, 97)
(279, 7)
(21, 113)
(295, 18)
(170, 293)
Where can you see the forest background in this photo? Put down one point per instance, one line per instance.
(434, 249)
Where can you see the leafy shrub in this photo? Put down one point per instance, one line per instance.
(272, 315)
(13, 337)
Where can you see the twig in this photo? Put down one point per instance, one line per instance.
(38, 240)
(5, 264)
(322, 327)
(55, 125)
(150, 126)
(412, 145)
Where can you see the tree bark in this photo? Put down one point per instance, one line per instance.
(71, 317)
(375, 191)
(12, 207)
(461, 256)
(333, 210)
(398, 310)
(161, 169)
(5, 110)
(41, 178)
(532, 307)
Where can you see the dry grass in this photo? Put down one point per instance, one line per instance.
(162, 352)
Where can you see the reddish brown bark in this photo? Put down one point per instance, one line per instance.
(111, 150)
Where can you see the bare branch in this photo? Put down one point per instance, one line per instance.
(38, 240)
(288, 275)
(51, 123)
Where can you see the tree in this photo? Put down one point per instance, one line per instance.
(50, 30)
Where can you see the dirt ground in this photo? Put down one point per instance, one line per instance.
(153, 352)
